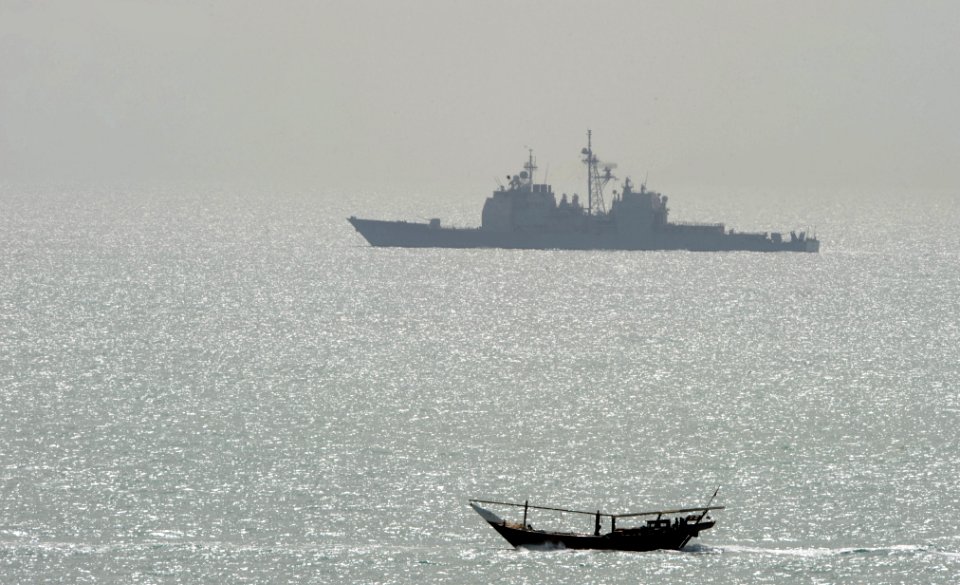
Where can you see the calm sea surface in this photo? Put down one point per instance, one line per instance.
(207, 387)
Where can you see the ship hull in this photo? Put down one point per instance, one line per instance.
(401, 234)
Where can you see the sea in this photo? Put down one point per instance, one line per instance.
(205, 385)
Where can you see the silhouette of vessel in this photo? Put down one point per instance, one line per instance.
(526, 215)
(665, 529)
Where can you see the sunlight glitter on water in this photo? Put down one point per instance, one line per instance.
(243, 393)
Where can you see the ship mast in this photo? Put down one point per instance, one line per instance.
(530, 166)
(595, 180)
(591, 161)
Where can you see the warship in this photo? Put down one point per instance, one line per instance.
(525, 214)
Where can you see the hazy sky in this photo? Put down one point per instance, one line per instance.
(448, 94)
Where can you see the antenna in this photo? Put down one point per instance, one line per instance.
(530, 166)
(595, 180)
(588, 159)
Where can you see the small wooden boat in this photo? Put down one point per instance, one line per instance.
(661, 529)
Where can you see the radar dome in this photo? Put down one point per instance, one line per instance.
(523, 174)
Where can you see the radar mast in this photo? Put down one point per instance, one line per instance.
(597, 179)
(530, 166)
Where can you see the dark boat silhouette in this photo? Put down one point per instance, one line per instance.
(661, 529)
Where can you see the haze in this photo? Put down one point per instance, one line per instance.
(409, 95)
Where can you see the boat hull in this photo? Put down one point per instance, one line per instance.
(673, 537)
(401, 234)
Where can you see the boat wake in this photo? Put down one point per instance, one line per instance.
(817, 552)
(544, 547)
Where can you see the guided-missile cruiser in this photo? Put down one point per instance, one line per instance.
(524, 214)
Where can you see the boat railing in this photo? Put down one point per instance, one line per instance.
(605, 514)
